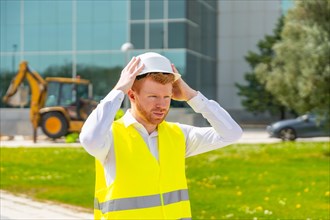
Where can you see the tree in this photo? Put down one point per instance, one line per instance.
(299, 74)
(256, 98)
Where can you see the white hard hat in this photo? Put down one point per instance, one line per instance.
(154, 62)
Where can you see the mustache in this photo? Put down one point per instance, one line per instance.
(160, 109)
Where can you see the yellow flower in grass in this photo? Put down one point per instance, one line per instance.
(267, 212)
(229, 215)
(239, 193)
(327, 193)
(298, 206)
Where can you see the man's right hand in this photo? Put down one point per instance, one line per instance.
(128, 75)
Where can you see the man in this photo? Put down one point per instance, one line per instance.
(143, 156)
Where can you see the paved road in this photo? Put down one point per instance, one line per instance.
(259, 135)
(20, 207)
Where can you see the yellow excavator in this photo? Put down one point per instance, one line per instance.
(58, 105)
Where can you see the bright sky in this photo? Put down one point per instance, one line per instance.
(287, 4)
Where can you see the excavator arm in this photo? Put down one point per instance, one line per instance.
(38, 87)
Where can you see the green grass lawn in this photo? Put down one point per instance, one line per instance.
(270, 181)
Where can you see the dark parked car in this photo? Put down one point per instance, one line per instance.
(304, 126)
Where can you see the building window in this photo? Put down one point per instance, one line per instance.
(137, 10)
(176, 35)
(138, 35)
(163, 27)
(156, 35)
(177, 8)
(156, 10)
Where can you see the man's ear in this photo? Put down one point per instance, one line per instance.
(131, 95)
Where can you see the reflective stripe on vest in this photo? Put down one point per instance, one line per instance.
(142, 201)
(175, 196)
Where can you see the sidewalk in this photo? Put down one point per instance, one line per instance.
(20, 207)
(27, 141)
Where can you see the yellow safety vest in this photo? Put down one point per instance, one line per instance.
(145, 188)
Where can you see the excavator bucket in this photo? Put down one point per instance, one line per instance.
(20, 98)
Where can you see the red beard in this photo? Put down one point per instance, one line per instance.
(154, 116)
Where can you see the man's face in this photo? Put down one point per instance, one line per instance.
(151, 101)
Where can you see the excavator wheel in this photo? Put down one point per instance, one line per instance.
(54, 124)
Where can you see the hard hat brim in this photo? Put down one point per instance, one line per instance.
(176, 75)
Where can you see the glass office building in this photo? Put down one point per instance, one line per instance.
(84, 37)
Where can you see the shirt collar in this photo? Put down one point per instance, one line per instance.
(129, 119)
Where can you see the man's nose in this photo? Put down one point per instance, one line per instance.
(161, 102)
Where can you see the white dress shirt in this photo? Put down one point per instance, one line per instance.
(96, 135)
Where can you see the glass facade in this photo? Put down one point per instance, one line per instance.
(183, 30)
(84, 37)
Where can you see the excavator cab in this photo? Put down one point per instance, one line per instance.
(69, 95)
(67, 105)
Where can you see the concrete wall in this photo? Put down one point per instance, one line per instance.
(15, 121)
(242, 24)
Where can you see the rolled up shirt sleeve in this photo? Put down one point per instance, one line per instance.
(96, 136)
(223, 131)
